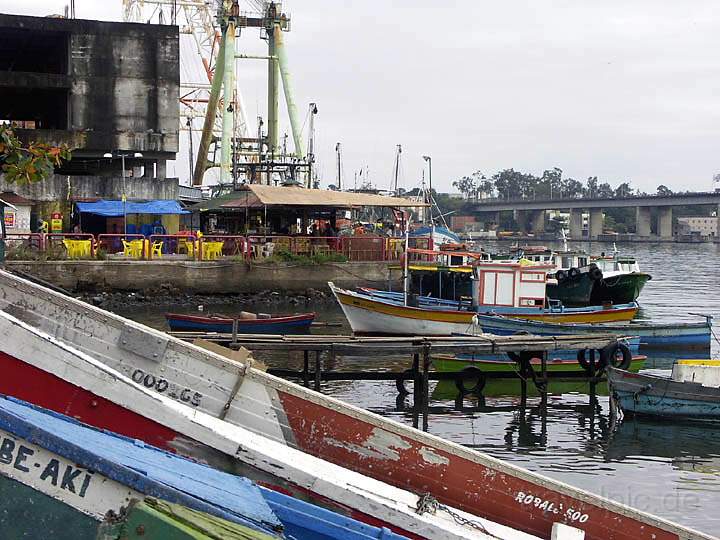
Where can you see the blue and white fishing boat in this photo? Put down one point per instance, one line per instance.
(439, 235)
(692, 391)
(82, 473)
(650, 335)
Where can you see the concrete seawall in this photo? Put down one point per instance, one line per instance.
(206, 277)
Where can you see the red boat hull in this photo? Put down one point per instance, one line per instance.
(29, 383)
(467, 485)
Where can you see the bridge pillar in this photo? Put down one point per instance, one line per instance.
(596, 223)
(576, 222)
(665, 222)
(537, 221)
(642, 221)
(520, 217)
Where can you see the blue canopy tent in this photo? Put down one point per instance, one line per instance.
(117, 208)
(113, 209)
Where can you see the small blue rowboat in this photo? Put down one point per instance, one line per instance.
(678, 335)
(63, 477)
(286, 324)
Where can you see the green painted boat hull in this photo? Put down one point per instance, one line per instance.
(573, 292)
(446, 390)
(160, 520)
(620, 289)
(27, 513)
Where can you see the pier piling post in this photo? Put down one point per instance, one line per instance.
(425, 385)
(417, 391)
(234, 329)
(306, 368)
(318, 371)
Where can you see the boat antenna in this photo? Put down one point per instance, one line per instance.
(615, 249)
(564, 239)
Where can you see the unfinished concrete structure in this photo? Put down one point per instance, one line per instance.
(99, 87)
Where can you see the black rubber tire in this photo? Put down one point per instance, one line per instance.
(561, 276)
(595, 274)
(573, 273)
(585, 363)
(400, 383)
(609, 356)
(470, 373)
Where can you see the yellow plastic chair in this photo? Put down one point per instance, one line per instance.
(71, 248)
(137, 247)
(127, 248)
(157, 249)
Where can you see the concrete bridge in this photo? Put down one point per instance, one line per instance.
(532, 211)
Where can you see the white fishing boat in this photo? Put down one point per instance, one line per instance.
(40, 369)
(63, 337)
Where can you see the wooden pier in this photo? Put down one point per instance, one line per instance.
(521, 348)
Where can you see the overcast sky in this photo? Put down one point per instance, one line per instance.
(621, 90)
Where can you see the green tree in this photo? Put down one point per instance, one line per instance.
(663, 190)
(467, 186)
(26, 163)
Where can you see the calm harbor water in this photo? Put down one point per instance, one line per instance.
(671, 470)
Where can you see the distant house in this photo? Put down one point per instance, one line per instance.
(702, 225)
(17, 213)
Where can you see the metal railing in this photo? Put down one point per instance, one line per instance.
(214, 246)
(172, 244)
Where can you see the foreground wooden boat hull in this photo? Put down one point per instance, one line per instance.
(649, 395)
(117, 404)
(318, 424)
(680, 335)
(292, 324)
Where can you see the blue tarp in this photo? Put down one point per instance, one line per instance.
(115, 208)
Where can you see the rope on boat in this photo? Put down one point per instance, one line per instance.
(714, 335)
(428, 503)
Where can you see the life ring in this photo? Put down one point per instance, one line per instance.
(574, 273)
(609, 355)
(561, 276)
(470, 373)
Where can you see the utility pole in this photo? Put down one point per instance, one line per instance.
(339, 167)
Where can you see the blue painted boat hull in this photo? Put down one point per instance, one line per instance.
(681, 335)
(649, 395)
(292, 324)
(160, 474)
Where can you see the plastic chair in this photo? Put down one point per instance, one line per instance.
(156, 249)
(70, 248)
(127, 248)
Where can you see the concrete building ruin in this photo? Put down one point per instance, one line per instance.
(99, 87)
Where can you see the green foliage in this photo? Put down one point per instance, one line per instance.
(24, 164)
(284, 256)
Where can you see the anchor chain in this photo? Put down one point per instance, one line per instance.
(428, 503)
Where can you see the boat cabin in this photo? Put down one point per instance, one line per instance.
(510, 284)
(616, 264)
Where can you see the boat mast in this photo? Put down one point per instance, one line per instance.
(397, 168)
